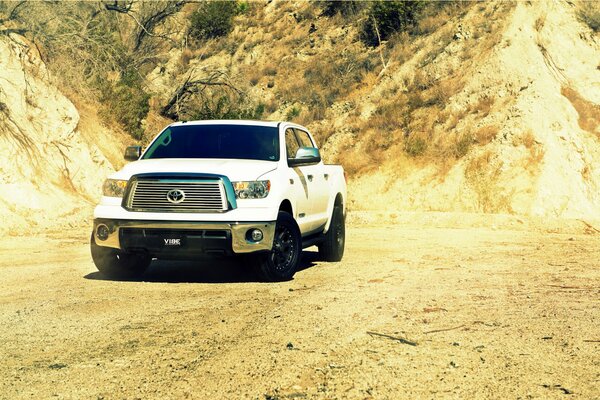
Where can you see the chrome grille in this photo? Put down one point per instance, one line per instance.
(200, 196)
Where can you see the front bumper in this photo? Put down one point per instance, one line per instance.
(146, 235)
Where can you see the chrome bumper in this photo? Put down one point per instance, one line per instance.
(238, 230)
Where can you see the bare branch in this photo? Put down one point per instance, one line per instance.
(191, 87)
(120, 7)
(15, 11)
(155, 19)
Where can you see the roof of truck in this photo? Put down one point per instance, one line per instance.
(273, 124)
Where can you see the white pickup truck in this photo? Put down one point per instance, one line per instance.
(221, 188)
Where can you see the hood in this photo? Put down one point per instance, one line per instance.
(235, 170)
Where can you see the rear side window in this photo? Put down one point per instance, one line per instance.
(304, 138)
(216, 141)
(291, 143)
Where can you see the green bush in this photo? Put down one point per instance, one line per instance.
(345, 8)
(125, 102)
(388, 17)
(214, 19)
(292, 113)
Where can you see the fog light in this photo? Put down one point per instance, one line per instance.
(102, 232)
(256, 235)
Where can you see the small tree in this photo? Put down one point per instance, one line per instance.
(346, 8)
(213, 19)
(125, 102)
(387, 17)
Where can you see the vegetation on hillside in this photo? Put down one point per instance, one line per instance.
(311, 63)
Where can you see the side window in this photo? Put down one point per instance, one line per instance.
(304, 138)
(291, 143)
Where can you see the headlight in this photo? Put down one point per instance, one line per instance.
(252, 189)
(114, 187)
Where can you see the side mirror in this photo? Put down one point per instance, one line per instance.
(305, 156)
(133, 153)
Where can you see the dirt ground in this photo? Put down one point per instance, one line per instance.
(474, 306)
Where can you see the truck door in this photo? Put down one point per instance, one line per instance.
(298, 180)
(318, 184)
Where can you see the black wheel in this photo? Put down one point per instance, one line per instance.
(332, 247)
(114, 263)
(281, 262)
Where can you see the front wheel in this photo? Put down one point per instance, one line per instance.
(281, 262)
(116, 264)
(332, 247)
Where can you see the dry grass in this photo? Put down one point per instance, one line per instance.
(483, 173)
(528, 139)
(483, 106)
(531, 163)
(185, 57)
(534, 161)
(589, 113)
(486, 134)
(270, 69)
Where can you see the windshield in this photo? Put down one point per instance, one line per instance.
(216, 141)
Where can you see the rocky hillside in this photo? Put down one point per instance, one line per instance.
(50, 168)
(477, 107)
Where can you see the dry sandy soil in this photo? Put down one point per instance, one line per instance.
(474, 306)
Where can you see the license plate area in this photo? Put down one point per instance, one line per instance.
(173, 241)
(176, 243)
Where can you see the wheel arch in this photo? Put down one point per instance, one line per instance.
(338, 201)
(286, 206)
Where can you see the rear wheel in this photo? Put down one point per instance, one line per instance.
(281, 262)
(332, 247)
(114, 263)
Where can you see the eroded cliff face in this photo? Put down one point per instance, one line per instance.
(49, 174)
(544, 159)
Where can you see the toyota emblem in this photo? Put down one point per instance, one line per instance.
(175, 196)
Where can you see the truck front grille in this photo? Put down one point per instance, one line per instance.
(177, 195)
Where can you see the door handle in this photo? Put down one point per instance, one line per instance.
(310, 177)
(326, 176)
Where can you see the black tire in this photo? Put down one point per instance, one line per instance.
(116, 264)
(332, 247)
(281, 263)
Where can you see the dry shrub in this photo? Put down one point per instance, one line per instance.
(185, 57)
(535, 158)
(415, 145)
(486, 134)
(539, 23)
(589, 113)
(483, 174)
(444, 90)
(422, 81)
(453, 146)
(528, 139)
(270, 69)
(483, 106)
(400, 47)
(354, 161)
(432, 23)
(462, 145)
(254, 78)
(388, 117)
(376, 142)
(586, 173)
